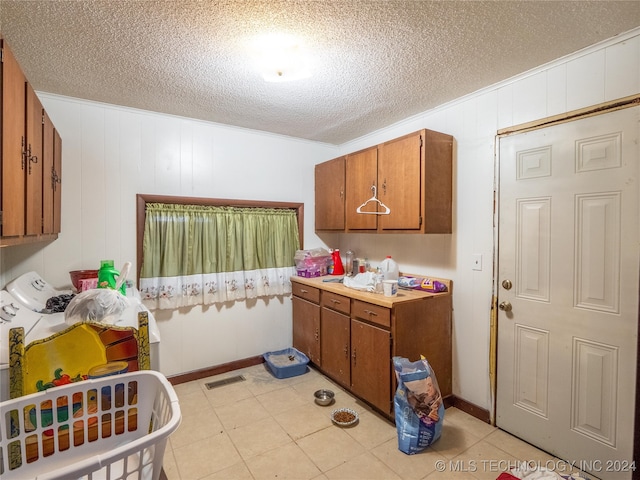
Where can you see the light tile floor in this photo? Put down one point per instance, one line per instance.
(269, 428)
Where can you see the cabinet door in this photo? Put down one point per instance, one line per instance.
(56, 181)
(371, 364)
(400, 170)
(335, 346)
(306, 328)
(51, 180)
(48, 170)
(34, 163)
(330, 184)
(361, 175)
(438, 187)
(13, 164)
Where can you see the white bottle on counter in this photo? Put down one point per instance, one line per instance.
(390, 268)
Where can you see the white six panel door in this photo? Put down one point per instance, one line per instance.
(569, 262)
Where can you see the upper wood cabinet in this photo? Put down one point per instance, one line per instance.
(415, 182)
(13, 144)
(30, 160)
(34, 161)
(361, 175)
(51, 170)
(330, 191)
(399, 167)
(410, 175)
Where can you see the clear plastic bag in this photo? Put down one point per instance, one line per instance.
(96, 305)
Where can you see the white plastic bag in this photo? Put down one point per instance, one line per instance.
(363, 281)
(96, 305)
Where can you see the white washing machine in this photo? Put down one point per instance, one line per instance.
(31, 292)
(12, 314)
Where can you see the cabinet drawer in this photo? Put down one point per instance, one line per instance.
(371, 313)
(336, 302)
(308, 293)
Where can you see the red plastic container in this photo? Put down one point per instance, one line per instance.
(77, 275)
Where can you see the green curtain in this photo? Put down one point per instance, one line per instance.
(190, 250)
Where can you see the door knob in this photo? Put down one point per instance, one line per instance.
(505, 306)
(506, 284)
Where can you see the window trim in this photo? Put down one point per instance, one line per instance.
(141, 214)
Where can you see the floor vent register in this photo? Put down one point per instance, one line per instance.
(225, 381)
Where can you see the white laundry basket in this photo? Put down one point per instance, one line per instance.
(111, 428)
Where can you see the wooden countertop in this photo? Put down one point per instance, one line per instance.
(369, 297)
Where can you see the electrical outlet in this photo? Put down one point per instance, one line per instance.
(477, 261)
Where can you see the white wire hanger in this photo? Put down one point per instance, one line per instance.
(386, 211)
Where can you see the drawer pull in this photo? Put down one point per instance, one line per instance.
(369, 312)
(302, 290)
(336, 302)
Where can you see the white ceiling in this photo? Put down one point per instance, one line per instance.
(374, 62)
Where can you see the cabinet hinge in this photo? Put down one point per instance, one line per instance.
(0, 217)
(1, 55)
(421, 140)
(420, 221)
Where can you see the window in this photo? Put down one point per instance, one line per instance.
(202, 251)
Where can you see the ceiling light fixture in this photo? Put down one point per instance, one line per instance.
(282, 59)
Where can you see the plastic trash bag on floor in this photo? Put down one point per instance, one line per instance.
(419, 411)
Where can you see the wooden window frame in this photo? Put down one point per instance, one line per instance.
(143, 199)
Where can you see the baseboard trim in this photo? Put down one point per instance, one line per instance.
(217, 370)
(470, 408)
(449, 401)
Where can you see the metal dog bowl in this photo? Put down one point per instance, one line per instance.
(323, 397)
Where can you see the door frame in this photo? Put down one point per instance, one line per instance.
(607, 107)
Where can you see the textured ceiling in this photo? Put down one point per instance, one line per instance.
(374, 62)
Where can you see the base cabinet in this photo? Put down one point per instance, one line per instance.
(352, 340)
(306, 325)
(336, 346)
(371, 364)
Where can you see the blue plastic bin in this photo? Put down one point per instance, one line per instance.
(286, 363)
